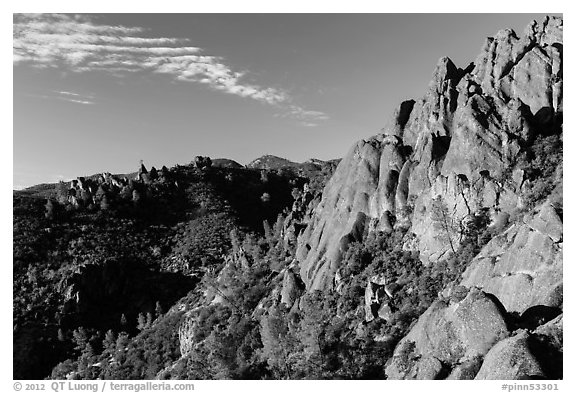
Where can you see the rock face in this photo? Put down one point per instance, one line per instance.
(456, 148)
(448, 336)
(511, 359)
(522, 267)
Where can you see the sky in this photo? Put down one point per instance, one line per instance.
(100, 92)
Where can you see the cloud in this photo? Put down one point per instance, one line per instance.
(67, 96)
(76, 98)
(78, 43)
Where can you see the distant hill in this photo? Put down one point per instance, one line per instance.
(269, 162)
(48, 190)
(226, 163)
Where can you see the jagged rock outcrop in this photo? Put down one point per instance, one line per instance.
(292, 288)
(448, 335)
(377, 297)
(356, 198)
(522, 267)
(459, 143)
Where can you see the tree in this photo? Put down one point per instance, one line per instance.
(443, 221)
(109, 342)
(315, 319)
(141, 322)
(276, 341)
(158, 310)
(80, 338)
(123, 320)
(153, 174)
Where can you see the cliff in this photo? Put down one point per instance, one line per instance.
(461, 143)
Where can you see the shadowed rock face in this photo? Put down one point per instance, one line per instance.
(460, 141)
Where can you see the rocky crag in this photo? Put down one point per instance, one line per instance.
(460, 142)
(443, 160)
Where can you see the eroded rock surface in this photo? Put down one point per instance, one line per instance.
(522, 267)
(511, 359)
(460, 142)
(451, 333)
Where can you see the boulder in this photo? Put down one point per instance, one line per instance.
(376, 298)
(511, 358)
(385, 312)
(292, 288)
(466, 370)
(452, 333)
(535, 354)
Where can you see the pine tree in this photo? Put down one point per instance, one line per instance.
(443, 222)
(276, 341)
(109, 342)
(153, 173)
(123, 320)
(141, 322)
(158, 310)
(80, 338)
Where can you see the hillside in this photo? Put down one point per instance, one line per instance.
(432, 250)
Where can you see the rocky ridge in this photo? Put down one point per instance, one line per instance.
(460, 143)
(440, 163)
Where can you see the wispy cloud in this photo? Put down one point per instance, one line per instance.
(307, 118)
(77, 98)
(78, 43)
(68, 96)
